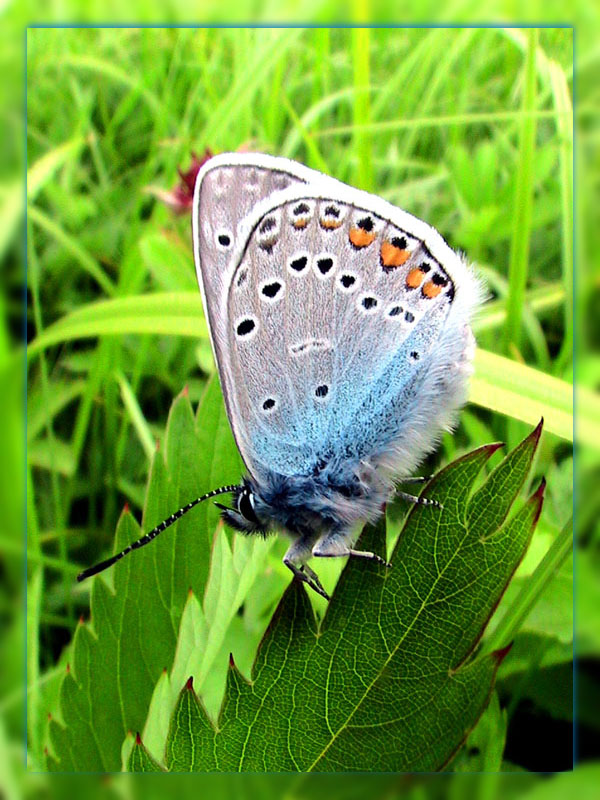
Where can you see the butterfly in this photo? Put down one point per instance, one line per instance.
(340, 326)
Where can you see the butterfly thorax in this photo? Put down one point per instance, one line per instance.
(317, 503)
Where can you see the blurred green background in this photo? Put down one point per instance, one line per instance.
(456, 126)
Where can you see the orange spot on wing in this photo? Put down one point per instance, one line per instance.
(431, 290)
(330, 224)
(414, 278)
(392, 256)
(360, 237)
(300, 223)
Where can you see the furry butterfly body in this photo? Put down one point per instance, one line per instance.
(340, 329)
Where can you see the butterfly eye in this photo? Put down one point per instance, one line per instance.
(246, 507)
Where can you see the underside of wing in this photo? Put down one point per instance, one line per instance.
(347, 335)
(228, 188)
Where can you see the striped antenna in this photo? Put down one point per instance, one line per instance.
(148, 537)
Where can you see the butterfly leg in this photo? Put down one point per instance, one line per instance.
(418, 501)
(294, 560)
(332, 545)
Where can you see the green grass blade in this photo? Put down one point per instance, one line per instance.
(166, 314)
(35, 588)
(315, 160)
(493, 314)
(438, 121)
(85, 260)
(136, 416)
(520, 240)
(46, 167)
(564, 123)
(527, 394)
(499, 384)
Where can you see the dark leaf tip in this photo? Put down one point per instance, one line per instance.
(49, 716)
(138, 738)
(231, 661)
(126, 508)
(186, 391)
(68, 668)
(539, 492)
(538, 497)
(189, 684)
(81, 619)
(500, 655)
(157, 445)
(537, 432)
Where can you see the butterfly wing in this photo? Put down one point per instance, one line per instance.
(347, 335)
(227, 188)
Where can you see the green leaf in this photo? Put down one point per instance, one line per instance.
(140, 759)
(203, 629)
(387, 681)
(166, 314)
(117, 658)
(484, 747)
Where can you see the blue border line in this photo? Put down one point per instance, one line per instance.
(308, 26)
